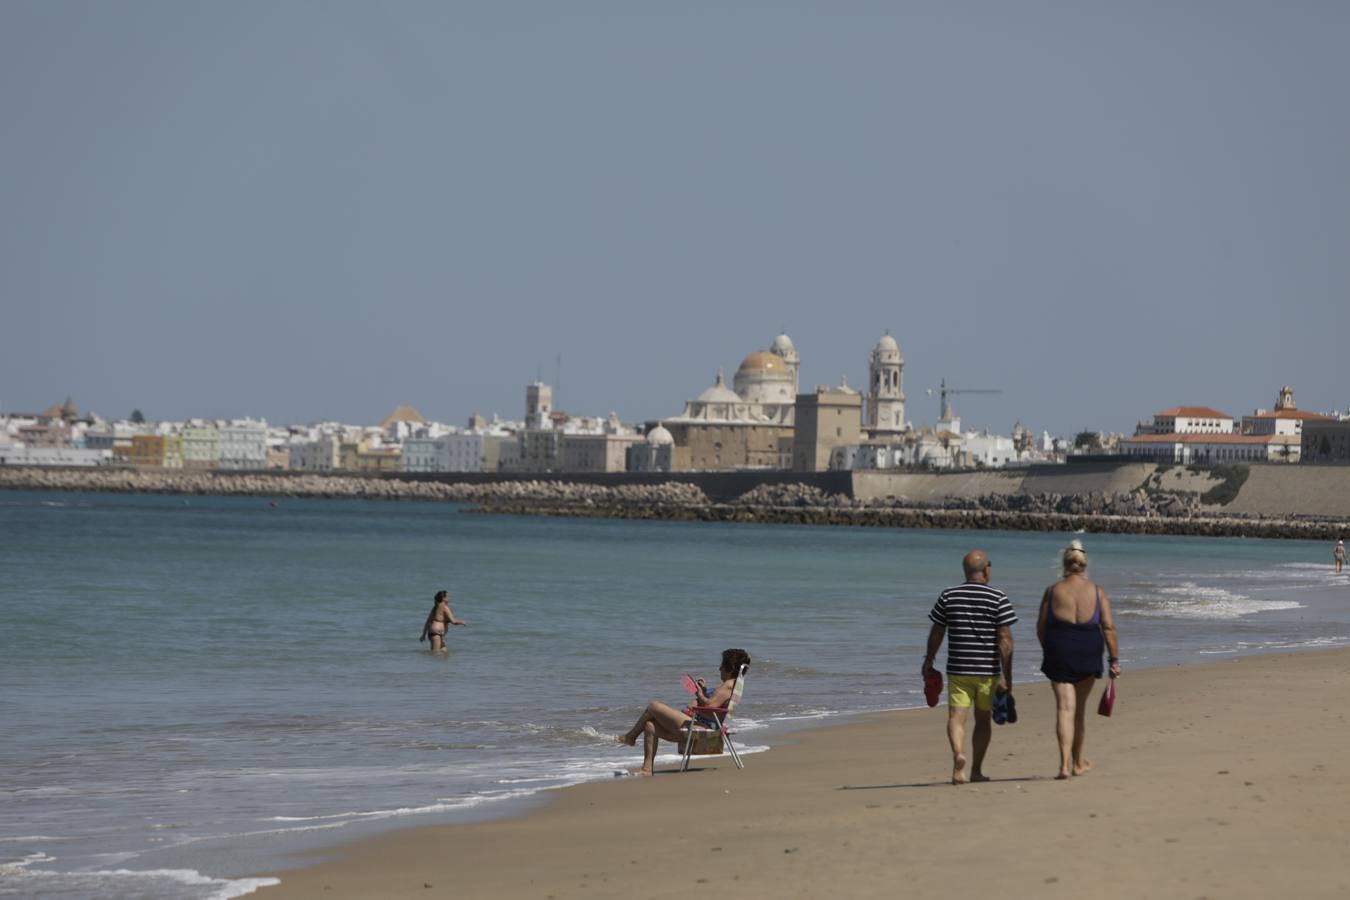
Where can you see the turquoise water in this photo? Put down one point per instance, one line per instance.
(193, 688)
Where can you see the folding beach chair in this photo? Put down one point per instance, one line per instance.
(700, 739)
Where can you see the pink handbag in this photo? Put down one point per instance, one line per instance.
(1108, 701)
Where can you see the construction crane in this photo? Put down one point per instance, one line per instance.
(944, 392)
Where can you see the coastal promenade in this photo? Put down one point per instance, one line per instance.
(1131, 498)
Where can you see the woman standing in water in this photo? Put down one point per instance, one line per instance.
(438, 621)
(1074, 626)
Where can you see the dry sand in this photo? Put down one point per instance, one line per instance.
(1216, 781)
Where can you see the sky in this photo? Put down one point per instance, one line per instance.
(320, 210)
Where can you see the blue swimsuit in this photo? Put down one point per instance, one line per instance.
(1073, 651)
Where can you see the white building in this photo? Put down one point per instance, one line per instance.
(425, 454)
(242, 444)
(454, 452)
(323, 454)
(655, 453)
(983, 450)
(1189, 420)
(201, 445)
(507, 450)
(607, 452)
(1212, 449)
(1286, 418)
(18, 455)
(110, 435)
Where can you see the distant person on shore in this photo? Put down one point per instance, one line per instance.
(1339, 554)
(439, 621)
(661, 722)
(1074, 627)
(977, 621)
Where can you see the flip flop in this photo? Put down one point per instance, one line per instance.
(1000, 710)
(932, 687)
(1012, 709)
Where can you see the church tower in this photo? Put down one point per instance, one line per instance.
(782, 346)
(886, 393)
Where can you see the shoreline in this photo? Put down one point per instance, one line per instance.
(1197, 790)
(682, 501)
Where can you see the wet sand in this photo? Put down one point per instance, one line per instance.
(1215, 781)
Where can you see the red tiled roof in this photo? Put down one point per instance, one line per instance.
(1258, 440)
(1194, 412)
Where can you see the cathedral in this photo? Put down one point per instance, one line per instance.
(753, 423)
(745, 426)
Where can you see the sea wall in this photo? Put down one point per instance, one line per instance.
(1130, 498)
(940, 487)
(1204, 526)
(1295, 490)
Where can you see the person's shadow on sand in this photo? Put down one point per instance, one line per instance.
(928, 784)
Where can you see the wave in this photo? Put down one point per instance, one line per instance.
(125, 882)
(1189, 600)
(1261, 646)
(809, 714)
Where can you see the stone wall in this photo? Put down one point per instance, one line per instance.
(1301, 489)
(1275, 501)
(934, 487)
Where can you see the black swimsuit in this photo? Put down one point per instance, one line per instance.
(1073, 651)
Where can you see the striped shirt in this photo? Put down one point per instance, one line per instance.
(972, 613)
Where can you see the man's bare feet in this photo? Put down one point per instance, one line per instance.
(1063, 775)
(1081, 767)
(640, 773)
(626, 740)
(976, 777)
(959, 769)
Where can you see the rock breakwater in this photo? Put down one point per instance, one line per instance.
(1137, 512)
(300, 484)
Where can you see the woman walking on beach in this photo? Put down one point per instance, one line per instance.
(1074, 625)
(1338, 555)
(438, 621)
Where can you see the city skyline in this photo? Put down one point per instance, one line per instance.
(304, 212)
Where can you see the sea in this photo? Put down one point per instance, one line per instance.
(194, 690)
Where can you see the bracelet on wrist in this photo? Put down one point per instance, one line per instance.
(1114, 660)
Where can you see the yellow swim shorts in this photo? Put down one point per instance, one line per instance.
(962, 690)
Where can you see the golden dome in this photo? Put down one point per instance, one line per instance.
(763, 361)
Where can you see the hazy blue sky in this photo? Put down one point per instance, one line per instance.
(320, 210)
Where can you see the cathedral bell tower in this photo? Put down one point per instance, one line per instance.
(782, 346)
(886, 393)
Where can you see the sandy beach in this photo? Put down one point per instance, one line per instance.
(1215, 781)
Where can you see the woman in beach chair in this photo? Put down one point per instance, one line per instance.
(661, 722)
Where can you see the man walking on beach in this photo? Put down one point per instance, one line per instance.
(977, 621)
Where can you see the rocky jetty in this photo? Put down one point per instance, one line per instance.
(301, 484)
(1138, 512)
